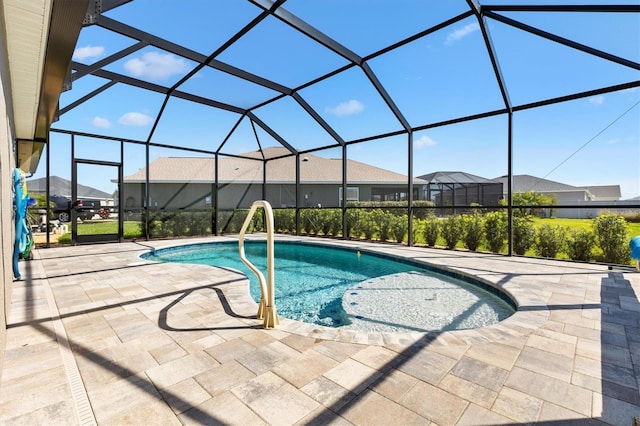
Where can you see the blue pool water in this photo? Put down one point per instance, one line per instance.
(347, 288)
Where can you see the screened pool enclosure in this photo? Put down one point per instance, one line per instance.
(338, 111)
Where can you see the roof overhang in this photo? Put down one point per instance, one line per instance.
(41, 37)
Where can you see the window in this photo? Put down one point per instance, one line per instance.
(353, 194)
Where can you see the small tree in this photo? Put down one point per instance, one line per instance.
(580, 244)
(496, 232)
(284, 220)
(530, 198)
(431, 230)
(473, 225)
(524, 235)
(550, 240)
(368, 224)
(452, 231)
(398, 227)
(335, 217)
(382, 219)
(354, 225)
(330, 221)
(612, 236)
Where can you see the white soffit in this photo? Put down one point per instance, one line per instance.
(27, 29)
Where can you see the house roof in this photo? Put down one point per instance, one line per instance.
(62, 186)
(604, 191)
(313, 169)
(453, 177)
(524, 183)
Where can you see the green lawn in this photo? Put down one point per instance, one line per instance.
(131, 230)
(587, 224)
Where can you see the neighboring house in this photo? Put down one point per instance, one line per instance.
(604, 192)
(188, 182)
(62, 187)
(591, 197)
(447, 188)
(461, 189)
(561, 192)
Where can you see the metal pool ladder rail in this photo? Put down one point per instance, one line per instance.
(267, 307)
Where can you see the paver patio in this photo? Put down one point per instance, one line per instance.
(97, 335)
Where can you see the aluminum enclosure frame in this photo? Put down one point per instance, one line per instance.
(277, 9)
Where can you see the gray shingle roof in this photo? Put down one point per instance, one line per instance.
(62, 186)
(524, 183)
(604, 191)
(453, 177)
(313, 169)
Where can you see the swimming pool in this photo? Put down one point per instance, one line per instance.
(354, 289)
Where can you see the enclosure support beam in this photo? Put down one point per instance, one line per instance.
(410, 185)
(216, 193)
(343, 201)
(510, 184)
(298, 190)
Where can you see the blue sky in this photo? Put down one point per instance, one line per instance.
(442, 76)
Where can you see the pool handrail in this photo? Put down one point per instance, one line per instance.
(267, 306)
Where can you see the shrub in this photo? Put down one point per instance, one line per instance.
(284, 220)
(524, 235)
(231, 221)
(331, 221)
(612, 236)
(631, 217)
(452, 231)
(431, 230)
(311, 220)
(398, 227)
(495, 229)
(580, 244)
(354, 223)
(473, 229)
(367, 224)
(550, 240)
(201, 224)
(423, 209)
(157, 224)
(382, 219)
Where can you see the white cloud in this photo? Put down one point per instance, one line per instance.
(596, 100)
(347, 108)
(100, 122)
(135, 119)
(424, 141)
(462, 32)
(86, 52)
(156, 66)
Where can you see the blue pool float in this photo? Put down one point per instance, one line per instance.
(24, 240)
(634, 245)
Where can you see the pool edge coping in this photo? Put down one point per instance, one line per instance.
(526, 320)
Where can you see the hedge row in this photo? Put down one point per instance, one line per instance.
(607, 241)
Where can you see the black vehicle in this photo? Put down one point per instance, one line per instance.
(84, 207)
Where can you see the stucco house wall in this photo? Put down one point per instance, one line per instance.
(177, 196)
(7, 230)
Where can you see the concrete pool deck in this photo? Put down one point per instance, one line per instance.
(98, 336)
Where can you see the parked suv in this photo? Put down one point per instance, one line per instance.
(85, 208)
